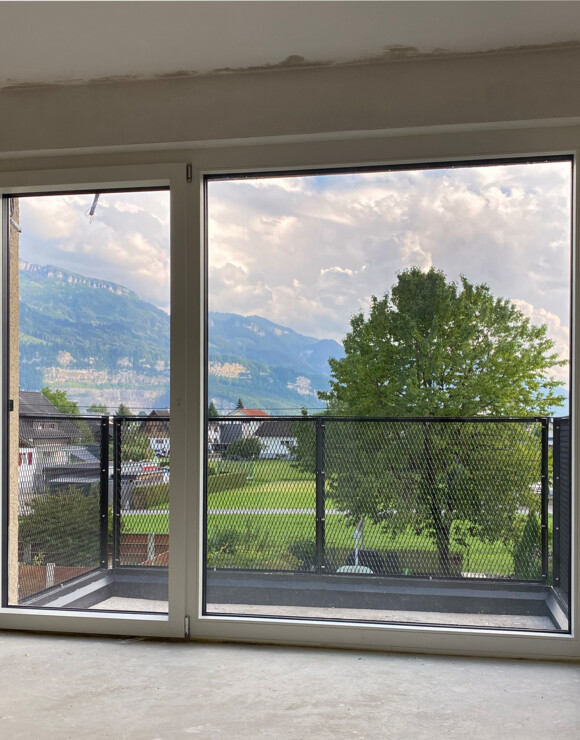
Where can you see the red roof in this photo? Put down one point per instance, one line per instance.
(249, 412)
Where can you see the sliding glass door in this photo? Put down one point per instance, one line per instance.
(388, 380)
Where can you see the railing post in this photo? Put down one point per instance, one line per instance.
(556, 523)
(320, 495)
(544, 494)
(116, 491)
(104, 493)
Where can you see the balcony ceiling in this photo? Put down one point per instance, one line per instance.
(65, 42)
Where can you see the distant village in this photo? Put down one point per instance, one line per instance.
(55, 451)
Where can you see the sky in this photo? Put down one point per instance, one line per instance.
(126, 241)
(309, 252)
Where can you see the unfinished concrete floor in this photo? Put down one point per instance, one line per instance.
(85, 687)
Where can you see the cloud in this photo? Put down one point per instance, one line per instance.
(314, 249)
(309, 252)
(126, 242)
(557, 331)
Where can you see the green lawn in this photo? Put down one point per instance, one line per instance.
(266, 539)
(296, 494)
(277, 532)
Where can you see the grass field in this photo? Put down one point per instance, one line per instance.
(263, 538)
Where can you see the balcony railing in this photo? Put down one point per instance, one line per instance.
(93, 495)
(448, 500)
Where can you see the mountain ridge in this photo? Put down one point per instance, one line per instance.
(101, 343)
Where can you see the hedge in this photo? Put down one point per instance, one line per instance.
(151, 497)
(226, 481)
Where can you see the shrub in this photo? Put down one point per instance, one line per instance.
(225, 541)
(528, 553)
(304, 551)
(245, 448)
(151, 497)
(65, 527)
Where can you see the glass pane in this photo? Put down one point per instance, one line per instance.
(89, 375)
(388, 378)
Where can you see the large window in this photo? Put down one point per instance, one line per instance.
(388, 384)
(87, 516)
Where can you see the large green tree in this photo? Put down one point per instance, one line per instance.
(61, 402)
(435, 348)
(438, 348)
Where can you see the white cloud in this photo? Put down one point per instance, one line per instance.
(126, 242)
(314, 249)
(557, 331)
(308, 252)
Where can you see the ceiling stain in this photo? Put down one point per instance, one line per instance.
(392, 53)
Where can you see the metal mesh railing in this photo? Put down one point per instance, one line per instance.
(562, 504)
(416, 497)
(93, 492)
(421, 497)
(61, 530)
(141, 485)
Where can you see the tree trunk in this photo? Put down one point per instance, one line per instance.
(442, 530)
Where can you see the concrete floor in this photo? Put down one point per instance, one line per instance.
(84, 688)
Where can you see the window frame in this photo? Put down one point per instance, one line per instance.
(463, 147)
(162, 164)
(89, 179)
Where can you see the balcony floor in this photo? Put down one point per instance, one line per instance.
(509, 621)
(99, 688)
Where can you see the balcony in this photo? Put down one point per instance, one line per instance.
(414, 521)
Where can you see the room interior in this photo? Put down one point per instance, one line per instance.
(118, 94)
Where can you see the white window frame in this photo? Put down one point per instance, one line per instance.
(460, 146)
(118, 178)
(187, 371)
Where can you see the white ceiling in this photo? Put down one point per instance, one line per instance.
(52, 42)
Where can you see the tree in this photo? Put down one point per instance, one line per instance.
(246, 448)
(123, 410)
(135, 444)
(239, 404)
(434, 348)
(61, 402)
(212, 412)
(66, 406)
(63, 528)
(98, 408)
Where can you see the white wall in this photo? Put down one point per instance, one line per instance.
(524, 87)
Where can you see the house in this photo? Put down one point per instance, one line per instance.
(224, 433)
(213, 435)
(278, 440)
(156, 428)
(46, 440)
(250, 427)
(134, 94)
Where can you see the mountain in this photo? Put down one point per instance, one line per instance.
(100, 342)
(267, 365)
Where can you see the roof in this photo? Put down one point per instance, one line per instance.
(33, 408)
(249, 412)
(282, 428)
(230, 432)
(159, 414)
(33, 403)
